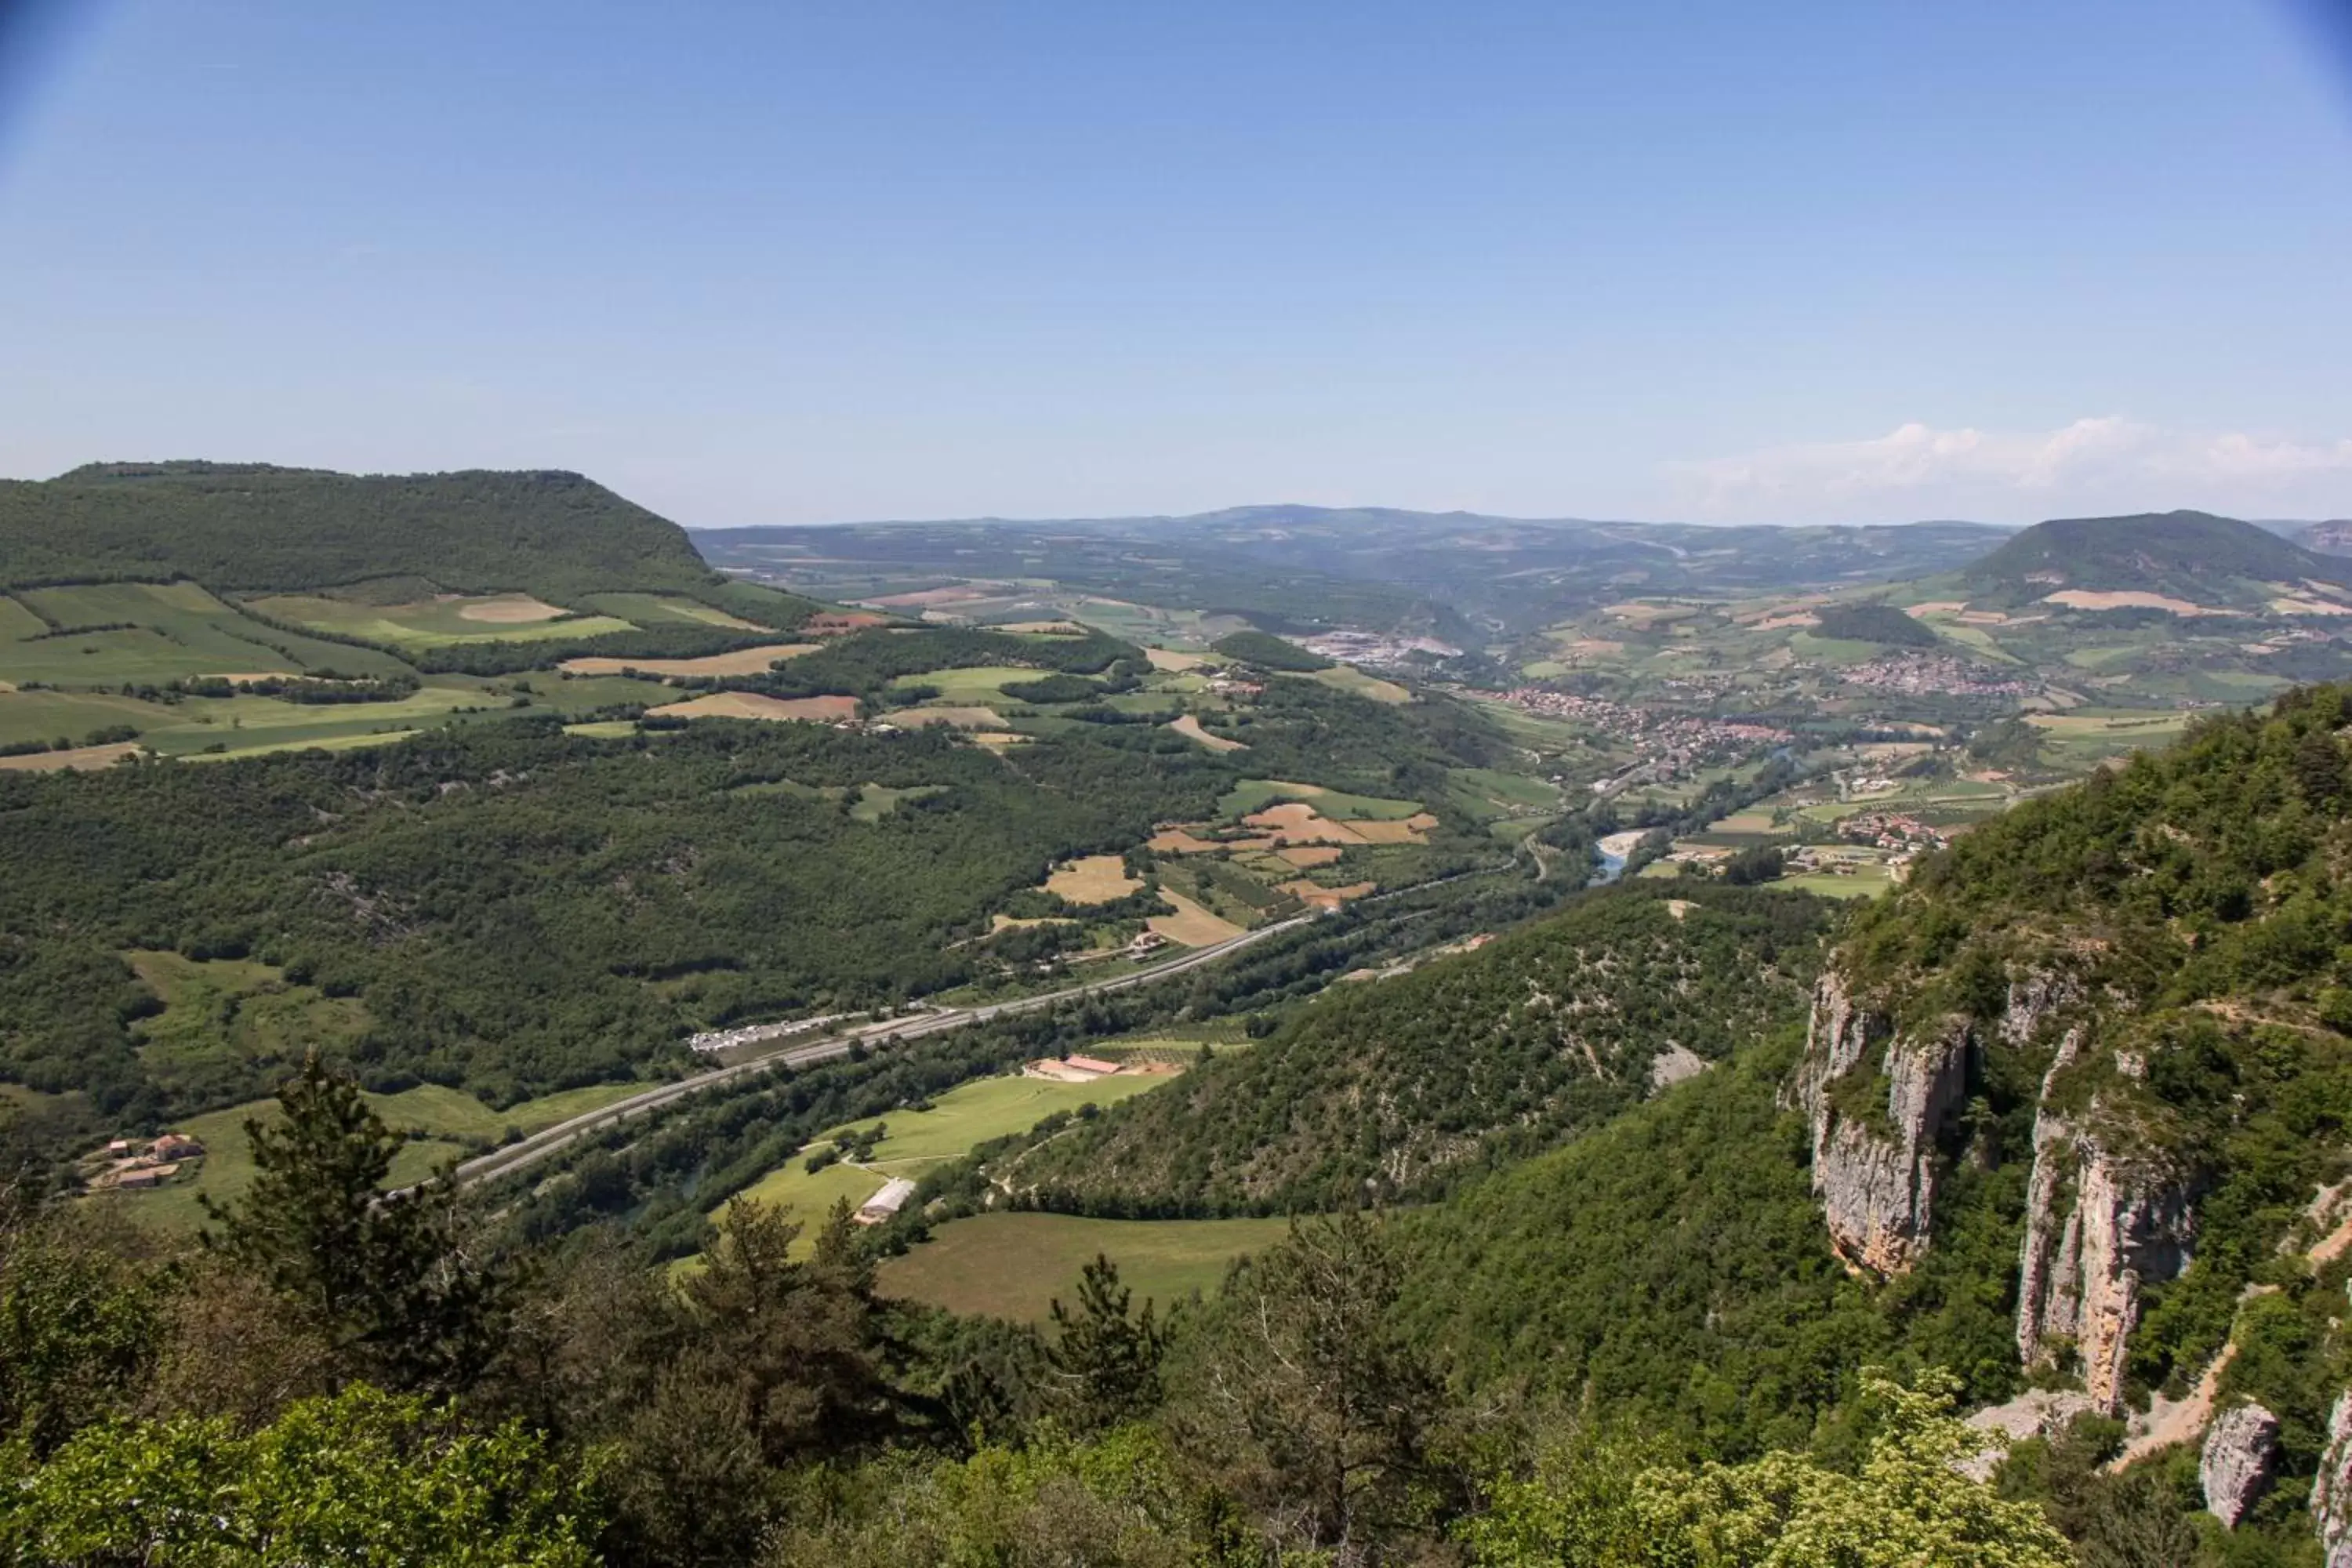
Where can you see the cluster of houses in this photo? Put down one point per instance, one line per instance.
(1890, 830)
(133, 1165)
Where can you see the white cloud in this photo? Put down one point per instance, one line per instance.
(2107, 464)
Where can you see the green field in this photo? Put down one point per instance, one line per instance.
(1257, 795)
(247, 724)
(222, 1015)
(663, 609)
(428, 624)
(985, 1108)
(1861, 885)
(876, 801)
(236, 726)
(958, 1120)
(1509, 792)
(1355, 682)
(160, 632)
(1012, 1265)
(979, 685)
(62, 715)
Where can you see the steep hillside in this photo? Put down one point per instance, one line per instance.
(1391, 1089)
(2191, 555)
(2074, 1106)
(257, 528)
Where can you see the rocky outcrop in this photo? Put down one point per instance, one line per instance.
(2037, 1413)
(1876, 1175)
(2241, 1448)
(2097, 1227)
(2331, 1493)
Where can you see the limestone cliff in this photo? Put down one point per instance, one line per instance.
(2105, 1213)
(1874, 1162)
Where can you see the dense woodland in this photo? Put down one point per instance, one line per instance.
(516, 909)
(513, 910)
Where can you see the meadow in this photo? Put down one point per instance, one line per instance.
(1349, 678)
(664, 609)
(1013, 1266)
(957, 1122)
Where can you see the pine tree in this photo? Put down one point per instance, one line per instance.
(1105, 1355)
(384, 1277)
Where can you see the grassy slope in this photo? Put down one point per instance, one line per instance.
(958, 1121)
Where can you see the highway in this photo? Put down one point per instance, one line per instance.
(528, 1152)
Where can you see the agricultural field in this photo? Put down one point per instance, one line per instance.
(436, 622)
(247, 726)
(751, 705)
(2087, 737)
(957, 1122)
(107, 634)
(1013, 1266)
(977, 687)
(666, 609)
(740, 661)
(1349, 678)
(1191, 925)
(1092, 880)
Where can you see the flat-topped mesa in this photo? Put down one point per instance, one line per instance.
(1873, 1168)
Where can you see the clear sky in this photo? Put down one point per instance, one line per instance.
(787, 262)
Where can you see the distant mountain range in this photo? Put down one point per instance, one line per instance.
(1458, 574)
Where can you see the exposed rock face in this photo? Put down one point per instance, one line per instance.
(2331, 1493)
(2097, 1227)
(1876, 1180)
(2235, 1469)
(2104, 1213)
(2037, 1413)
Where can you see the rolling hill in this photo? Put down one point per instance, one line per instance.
(2217, 561)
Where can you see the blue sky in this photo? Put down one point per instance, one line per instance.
(784, 263)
